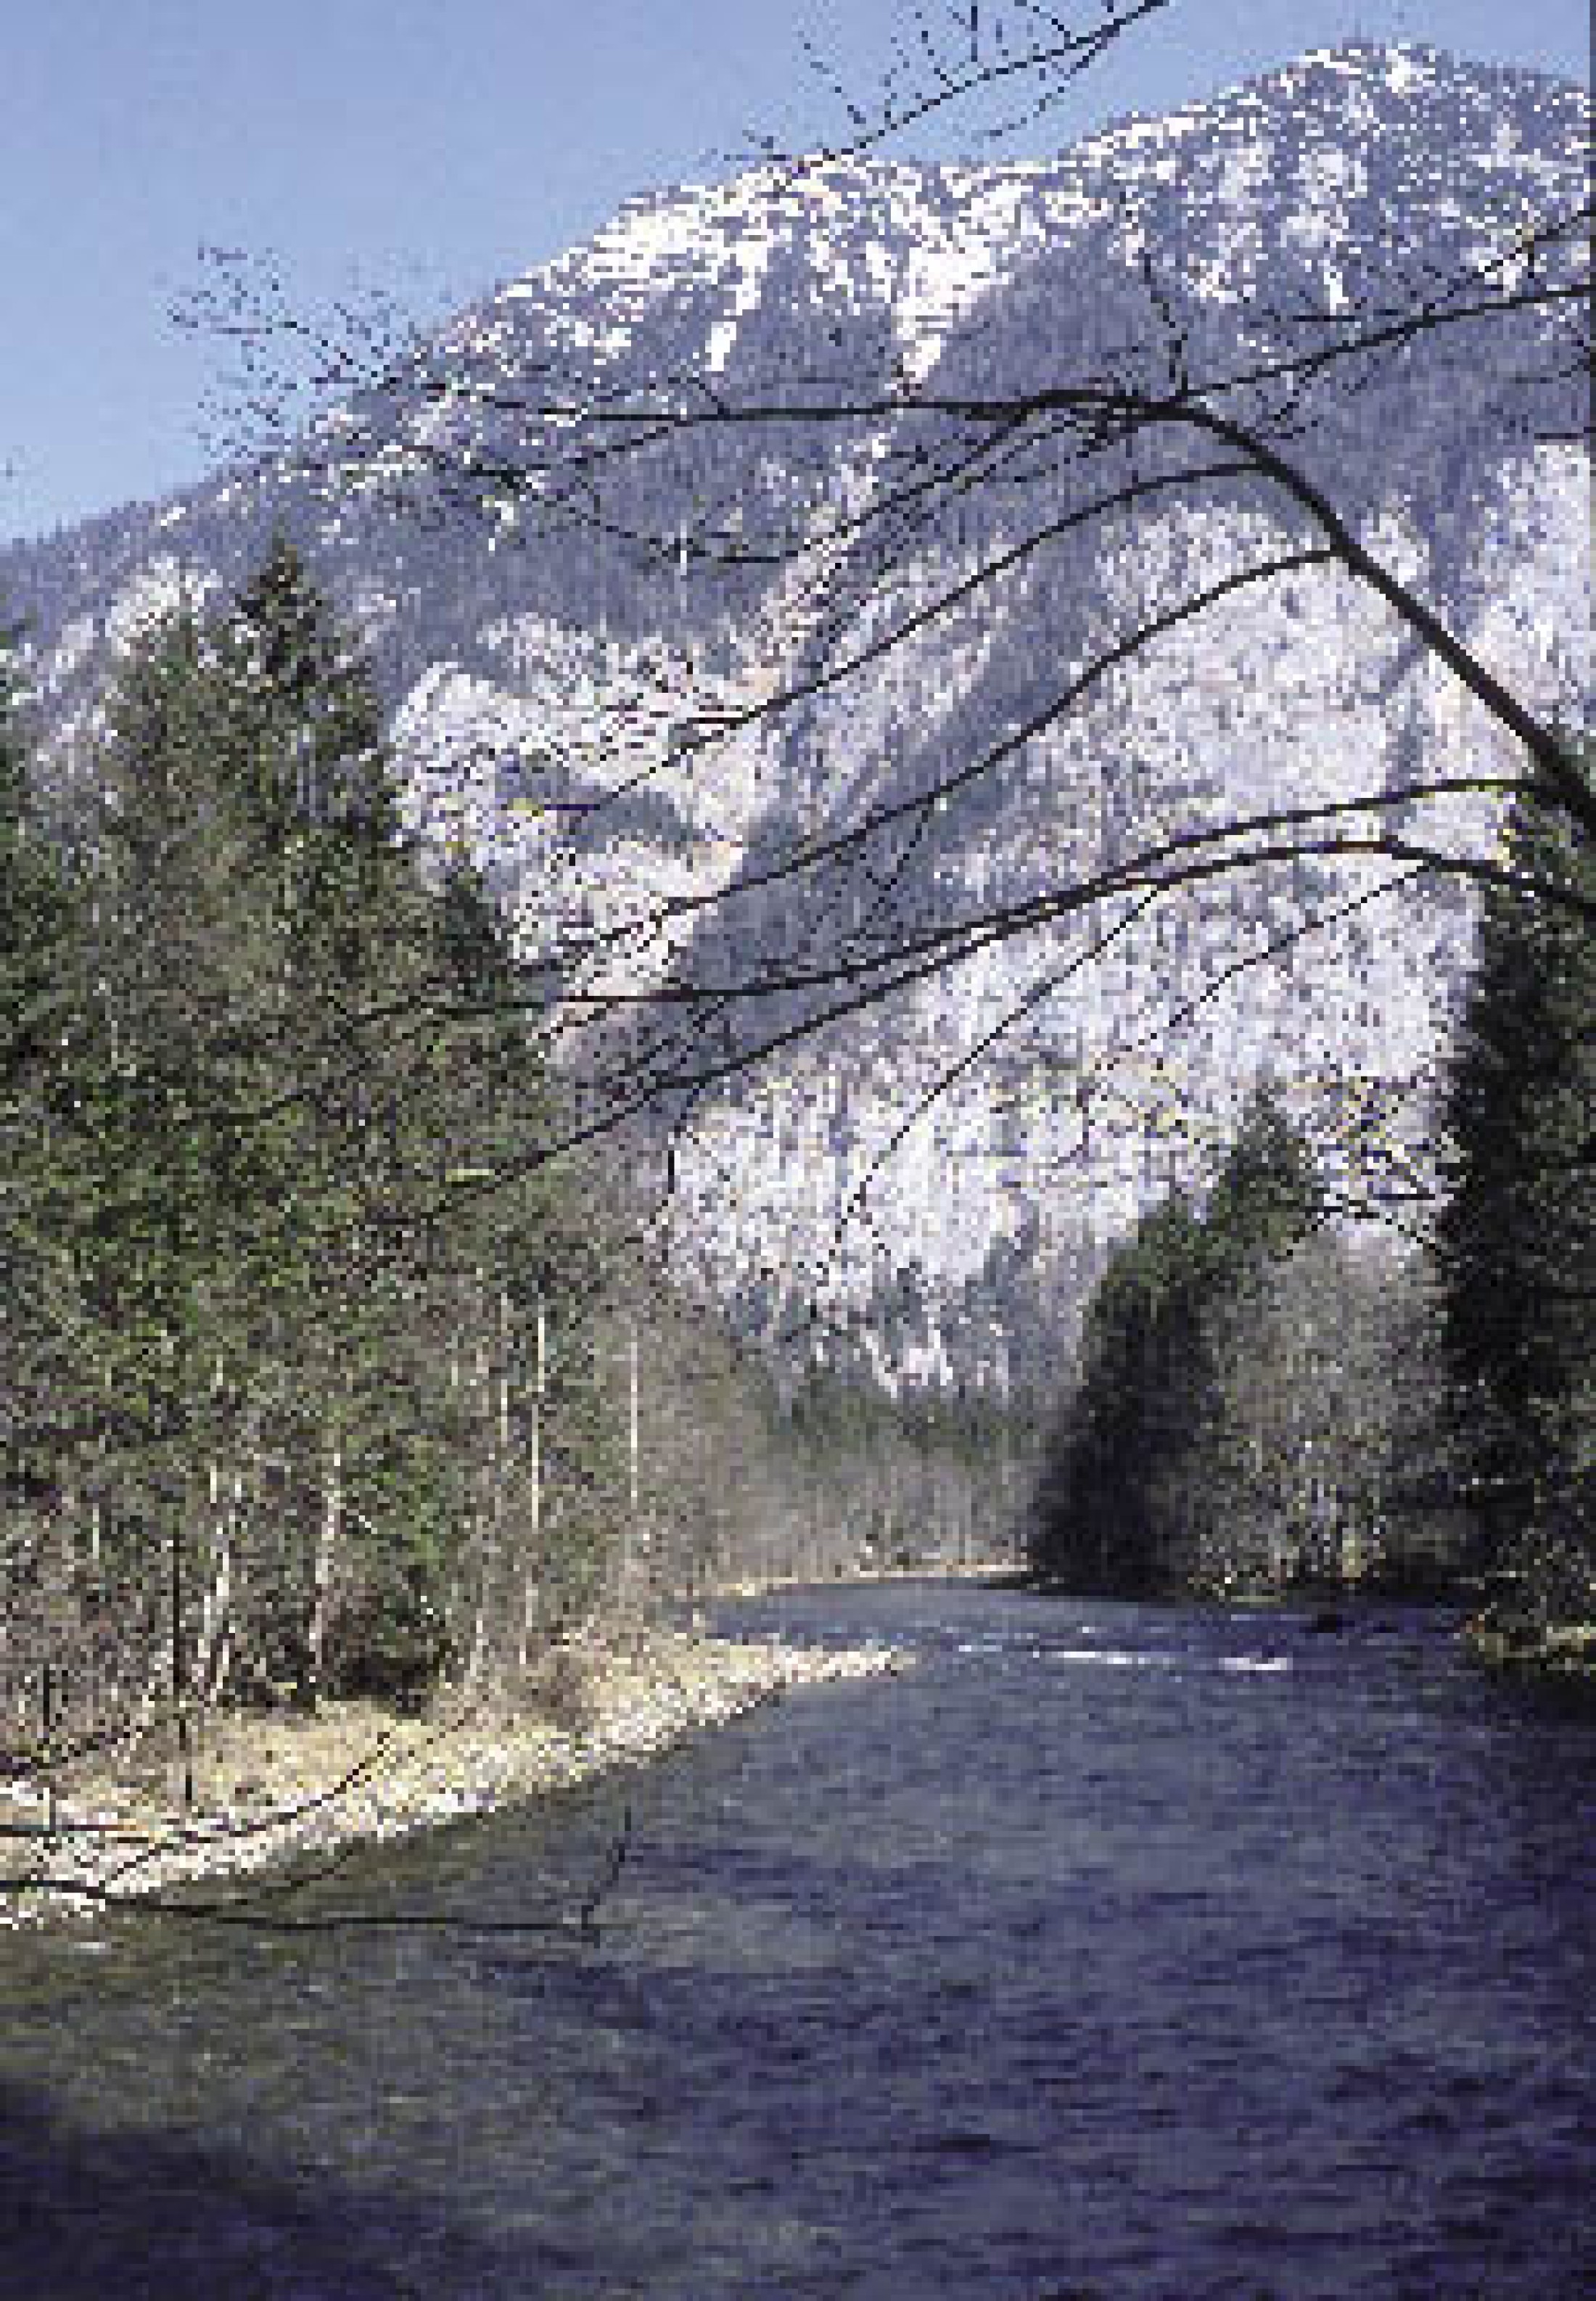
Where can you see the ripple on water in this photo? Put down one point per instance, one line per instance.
(1071, 1963)
(1112, 1657)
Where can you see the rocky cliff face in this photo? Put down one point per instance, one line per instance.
(937, 1175)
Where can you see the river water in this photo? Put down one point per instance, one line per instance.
(1117, 1951)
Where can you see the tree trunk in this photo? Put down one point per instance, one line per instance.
(494, 1388)
(534, 1557)
(216, 1625)
(328, 1543)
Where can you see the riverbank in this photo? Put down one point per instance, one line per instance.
(997, 1570)
(1564, 1652)
(273, 1787)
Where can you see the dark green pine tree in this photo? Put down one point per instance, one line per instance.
(1118, 1505)
(315, 737)
(245, 1272)
(38, 1027)
(352, 984)
(1516, 1229)
(525, 1241)
(1099, 1525)
(282, 1210)
(174, 1200)
(33, 897)
(173, 957)
(441, 1225)
(1268, 1195)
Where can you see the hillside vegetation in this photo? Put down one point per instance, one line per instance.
(330, 1367)
(1260, 1402)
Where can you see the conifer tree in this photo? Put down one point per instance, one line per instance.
(283, 1183)
(33, 896)
(350, 939)
(168, 1257)
(1516, 1232)
(1267, 1196)
(1119, 1503)
(36, 1019)
(316, 739)
(527, 1258)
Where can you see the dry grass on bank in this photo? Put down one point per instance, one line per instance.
(273, 1787)
(1564, 1652)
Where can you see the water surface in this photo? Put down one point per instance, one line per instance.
(1117, 1951)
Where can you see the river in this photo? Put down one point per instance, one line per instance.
(1114, 1952)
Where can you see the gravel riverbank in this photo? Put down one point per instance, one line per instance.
(1561, 1652)
(272, 1787)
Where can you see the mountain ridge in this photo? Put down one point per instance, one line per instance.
(521, 675)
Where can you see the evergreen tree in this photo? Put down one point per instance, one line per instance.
(180, 1205)
(1325, 1460)
(315, 743)
(232, 1251)
(1516, 1232)
(283, 1229)
(35, 1026)
(351, 949)
(444, 1230)
(1120, 1503)
(1267, 1196)
(33, 898)
(1105, 1503)
(528, 1253)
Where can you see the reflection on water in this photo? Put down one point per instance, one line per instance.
(1117, 1951)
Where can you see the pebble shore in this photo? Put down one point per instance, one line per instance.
(272, 1787)
(1562, 1652)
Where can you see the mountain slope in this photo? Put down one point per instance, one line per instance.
(531, 670)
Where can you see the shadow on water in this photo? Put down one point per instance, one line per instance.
(1112, 1951)
(87, 2213)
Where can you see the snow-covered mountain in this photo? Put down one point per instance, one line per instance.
(535, 669)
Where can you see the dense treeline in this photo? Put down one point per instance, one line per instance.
(929, 1478)
(1516, 1233)
(324, 1370)
(264, 1422)
(1124, 1502)
(1260, 1402)
(749, 1474)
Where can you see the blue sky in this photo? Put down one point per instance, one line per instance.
(430, 147)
